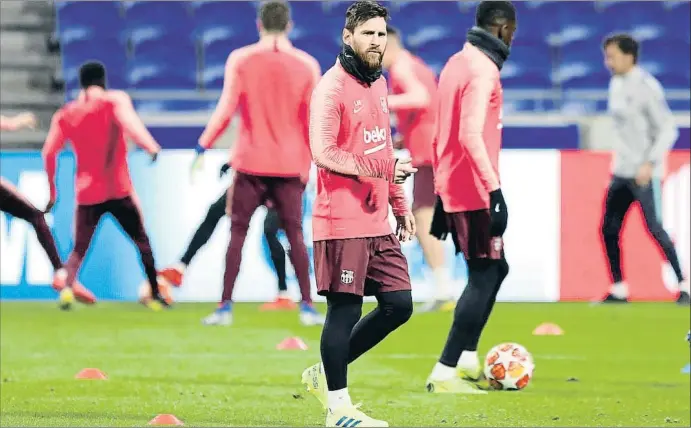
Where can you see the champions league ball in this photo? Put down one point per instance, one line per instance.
(509, 366)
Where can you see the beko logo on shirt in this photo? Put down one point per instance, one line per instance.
(377, 135)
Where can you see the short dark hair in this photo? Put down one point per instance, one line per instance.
(362, 11)
(92, 73)
(494, 13)
(625, 42)
(274, 16)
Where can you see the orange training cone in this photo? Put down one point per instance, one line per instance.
(166, 419)
(548, 329)
(292, 343)
(94, 374)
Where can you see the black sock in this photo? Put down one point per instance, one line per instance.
(503, 272)
(473, 308)
(278, 254)
(343, 312)
(216, 212)
(393, 310)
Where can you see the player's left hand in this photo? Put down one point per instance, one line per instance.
(197, 165)
(405, 229)
(49, 206)
(25, 120)
(644, 175)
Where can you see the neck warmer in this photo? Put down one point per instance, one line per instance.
(490, 45)
(352, 64)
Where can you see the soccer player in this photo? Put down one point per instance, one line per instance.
(413, 88)
(13, 203)
(646, 132)
(470, 206)
(355, 251)
(174, 274)
(269, 83)
(96, 124)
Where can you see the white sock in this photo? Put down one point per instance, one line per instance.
(180, 267)
(442, 286)
(468, 360)
(684, 286)
(442, 372)
(339, 398)
(620, 290)
(283, 294)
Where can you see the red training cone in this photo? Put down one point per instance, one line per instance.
(94, 374)
(292, 343)
(166, 419)
(548, 329)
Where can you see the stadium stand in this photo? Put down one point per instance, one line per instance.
(556, 63)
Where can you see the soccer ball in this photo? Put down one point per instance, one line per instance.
(163, 286)
(509, 366)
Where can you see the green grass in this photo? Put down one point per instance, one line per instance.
(625, 360)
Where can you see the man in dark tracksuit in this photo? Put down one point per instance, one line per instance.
(646, 131)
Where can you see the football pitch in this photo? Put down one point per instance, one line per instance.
(614, 366)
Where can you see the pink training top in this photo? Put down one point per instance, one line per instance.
(468, 131)
(414, 100)
(270, 84)
(351, 144)
(96, 124)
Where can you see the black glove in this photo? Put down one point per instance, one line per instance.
(499, 214)
(439, 228)
(154, 157)
(224, 170)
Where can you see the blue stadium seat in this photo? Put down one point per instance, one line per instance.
(153, 21)
(109, 51)
(532, 16)
(438, 52)
(213, 74)
(325, 51)
(86, 19)
(304, 15)
(577, 21)
(528, 67)
(424, 22)
(220, 49)
(669, 61)
(676, 19)
(581, 67)
(218, 21)
(162, 72)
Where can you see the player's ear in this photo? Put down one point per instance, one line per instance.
(260, 29)
(347, 37)
(289, 27)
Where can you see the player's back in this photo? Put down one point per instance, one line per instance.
(99, 144)
(469, 115)
(276, 83)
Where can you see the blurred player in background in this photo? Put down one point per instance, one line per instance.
(647, 133)
(355, 251)
(97, 124)
(175, 274)
(413, 98)
(471, 206)
(269, 83)
(15, 204)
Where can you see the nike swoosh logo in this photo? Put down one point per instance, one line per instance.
(496, 208)
(357, 109)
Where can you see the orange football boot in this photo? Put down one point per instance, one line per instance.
(280, 304)
(173, 275)
(81, 293)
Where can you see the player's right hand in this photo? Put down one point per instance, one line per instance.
(499, 214)
(403, 170)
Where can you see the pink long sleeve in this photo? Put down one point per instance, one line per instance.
(397, 200)
(226, 106)
(475, 102)
(7, 124)
(130, 122)
(55, 141)
(325, 121)
(415, 95)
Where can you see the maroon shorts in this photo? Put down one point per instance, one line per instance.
(423, 188)
(470, 233)
(14, 203)
(252, 191)
(360, 266)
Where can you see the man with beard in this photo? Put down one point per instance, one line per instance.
(269, 83)
(470, 205)
(355, 252)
